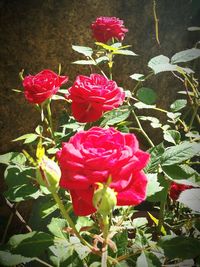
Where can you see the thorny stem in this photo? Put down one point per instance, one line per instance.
(142, 130)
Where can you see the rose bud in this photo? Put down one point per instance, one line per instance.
(104, 200)
(48, 174)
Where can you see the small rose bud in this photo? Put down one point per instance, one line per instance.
(48, 174)
(104, 200)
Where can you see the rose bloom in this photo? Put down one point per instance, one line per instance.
(106, 28)
(92, 96)
(42, 86)
(176, 189)
(94, 155)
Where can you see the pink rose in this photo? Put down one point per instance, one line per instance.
(92, 96)
(42, 86)
(92, 156)
(106, 28)
(176, 189)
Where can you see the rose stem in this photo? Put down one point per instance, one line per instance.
(105, 245)
(142, 130)
(69, 220)
(50, 118)
(162, 207)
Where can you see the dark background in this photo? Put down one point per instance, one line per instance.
(38, 34)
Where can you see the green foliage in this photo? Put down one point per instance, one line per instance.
(8, 259)
(30, 245)
(86, 51)
(186, 55)
(191, 199)
(20, 185)
(115, 116)
(178, 105)
(179, 153)
(146, 95)
(180, 247)
(13, 158)
(147, 259)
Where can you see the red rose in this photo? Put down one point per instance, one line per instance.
(176, 189)
(92, 156)
(91, 96)
(106, 28)
(42, 86)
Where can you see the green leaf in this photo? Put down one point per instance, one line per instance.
(107, 47)
(146, 95)
(138, 222)
(178, 105)
(80, 249)
(39, 130)
(84, 62)
(8, 259)
(155, 159)
(83, 222)
(101, 59)
(161, 63)
(180, 247)
(30, 245)
(65, 253)
(182, 174)
(138, 77)
(147, 259)
(124, 52)
(115, 116)
(160, 196)
(56, 227)
(172, 136)
(173, 116)
(153, 185)
(19, 184)
(179, 153)
(186, 55)
(86, 51)
(28, 138)
(121, 240)
(15, 158)
(191, 199)
(47, 208)
(154, 122)
(140, 105)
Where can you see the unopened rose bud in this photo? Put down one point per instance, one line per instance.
(48, 174)
(104, 200)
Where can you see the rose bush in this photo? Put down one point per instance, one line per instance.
(42, 86)
(106, 28)
(94, 155)
(93, 95)
(176, 189)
